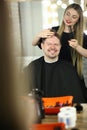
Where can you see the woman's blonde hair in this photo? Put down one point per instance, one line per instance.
(78, 30)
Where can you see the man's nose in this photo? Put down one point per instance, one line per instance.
(52, 46)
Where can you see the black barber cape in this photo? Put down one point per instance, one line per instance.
(55, 79)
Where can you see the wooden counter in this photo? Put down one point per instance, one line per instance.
(81, 123)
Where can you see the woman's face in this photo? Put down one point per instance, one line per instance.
(71, 17)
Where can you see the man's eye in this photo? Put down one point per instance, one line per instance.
(49, 44)
(56, 44)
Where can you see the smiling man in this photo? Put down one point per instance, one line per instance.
(51, 47)
(53, 76)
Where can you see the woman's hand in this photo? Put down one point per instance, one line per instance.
(73, 43)
(45, 33)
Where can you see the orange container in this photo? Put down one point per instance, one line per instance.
(50, 103)
(52, 126)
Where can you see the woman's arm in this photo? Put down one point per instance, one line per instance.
(82, 51)
(74, 44)
(43, 34)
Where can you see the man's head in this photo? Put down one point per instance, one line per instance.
(51, 47)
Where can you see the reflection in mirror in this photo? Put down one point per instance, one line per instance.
(36, 15)
(30, 17)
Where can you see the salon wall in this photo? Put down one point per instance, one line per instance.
(31, 24)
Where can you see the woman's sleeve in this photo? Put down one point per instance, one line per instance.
(85, 41)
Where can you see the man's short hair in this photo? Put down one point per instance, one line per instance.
(43, 39)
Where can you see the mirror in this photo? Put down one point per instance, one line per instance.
(31, 16)
(36, 15)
